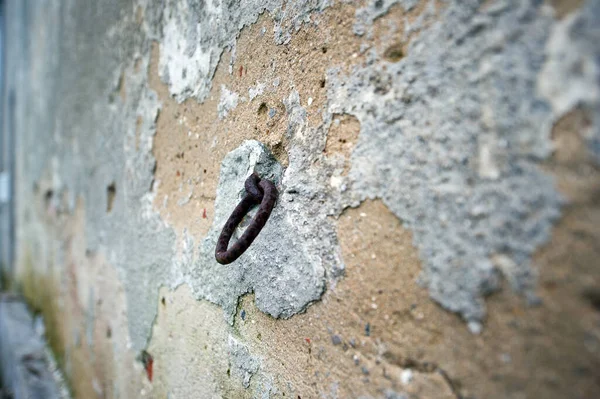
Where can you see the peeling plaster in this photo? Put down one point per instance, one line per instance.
(447, 145)
(451, 139)
(452, 147)
(195, 33)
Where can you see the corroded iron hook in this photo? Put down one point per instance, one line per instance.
(258, 191)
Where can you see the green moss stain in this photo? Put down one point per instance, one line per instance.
(42, 295)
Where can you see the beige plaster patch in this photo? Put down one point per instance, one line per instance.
(190, 350)
(565, 7)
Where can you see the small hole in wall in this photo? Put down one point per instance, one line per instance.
(111, 192)
(394, 53)
(262, 109)
(48, 197)
(164, 303)
(593, 297)
(228, 372)
(137, 65)
(324, 49)
(322, 83)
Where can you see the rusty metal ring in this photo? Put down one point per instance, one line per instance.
(258, 191)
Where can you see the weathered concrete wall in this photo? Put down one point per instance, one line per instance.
(436, 233)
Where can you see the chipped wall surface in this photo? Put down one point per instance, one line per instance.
(436, 231)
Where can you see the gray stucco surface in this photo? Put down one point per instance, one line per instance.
(243, 363)
(453, 143)
(452, 147)
(451, 139)
(280, 267)
(375, 9)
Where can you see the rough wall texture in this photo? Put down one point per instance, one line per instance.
(428, 154)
